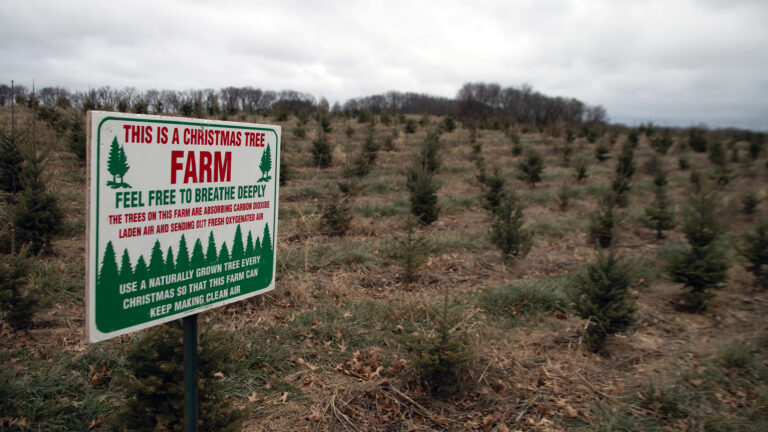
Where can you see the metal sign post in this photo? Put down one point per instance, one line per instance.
(190, 373)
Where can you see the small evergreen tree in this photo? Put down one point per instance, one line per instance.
(507, 231)
(430, 156)
(659, 215)
(755, 251)
(154, 383)
(601, 295)
(564, 198)
(411, 251)
(530, 168)
(17, 304)
(423, 188)
(625, 169)
(580, 170)
(601, 152)
(494, 189)
(697, 141)
(756, 144)
(336, 216)
(702, 267)
(76, 140)
(10, 163)
(36, 215)
(662, 144)
(604, 222)
(321, 151)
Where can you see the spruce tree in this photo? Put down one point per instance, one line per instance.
(601, 152)
(697, 141)
(755, 252)
(604, 222)
(423, 189)
(321, 151)
(507, 231)
(16, 302)
(36, 216)
(10, 163)
(601, 295)
(494, 189)
(703, 266)
(530, 168)
(411, 251)
(336, 216)
(625, 169)
(659, 214)
(153, 383)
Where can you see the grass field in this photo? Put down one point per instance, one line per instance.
(339, 344)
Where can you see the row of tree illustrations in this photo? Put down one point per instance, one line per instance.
(168, 263)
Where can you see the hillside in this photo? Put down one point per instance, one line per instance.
(344, 342)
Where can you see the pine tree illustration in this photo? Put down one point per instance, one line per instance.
(211, 255)
(224, 253)
(237, 244)
(117, 165)
(126, 271)
(140, 272)
(198, 257)
(266, 165)
(182, 259)
(156, 262)
(249, 246)
(170, 266)
(106, 299)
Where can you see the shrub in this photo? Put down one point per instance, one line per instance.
(755, 251)
(325, 124)
(18, 306)
(601, 295)
(367, 157)
(683, 162)
(530, 168)
(321, 151)
(507, 231)
(702, 267)
(448, 124)
(154, 383)
(410, 251)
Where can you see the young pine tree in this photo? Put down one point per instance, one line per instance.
(507, 231)
(530, 168)
(604, 222)
(336, 216)
(659, 215)
(16, 303)
(703, 266)
(423, 188)
(154, 383)
(601, 295)
(755, 252)
(321, 151)
(625, 169)
(411, 251)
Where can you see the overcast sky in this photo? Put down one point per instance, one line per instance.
(670, 62)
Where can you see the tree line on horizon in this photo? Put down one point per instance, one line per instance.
(474, 101)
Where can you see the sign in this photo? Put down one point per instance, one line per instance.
(182, 218)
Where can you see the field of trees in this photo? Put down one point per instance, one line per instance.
(500, 261)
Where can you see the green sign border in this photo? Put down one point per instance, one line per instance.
(94, 254)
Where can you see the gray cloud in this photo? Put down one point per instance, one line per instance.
(671, 62)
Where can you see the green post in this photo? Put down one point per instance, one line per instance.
(190, 373)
